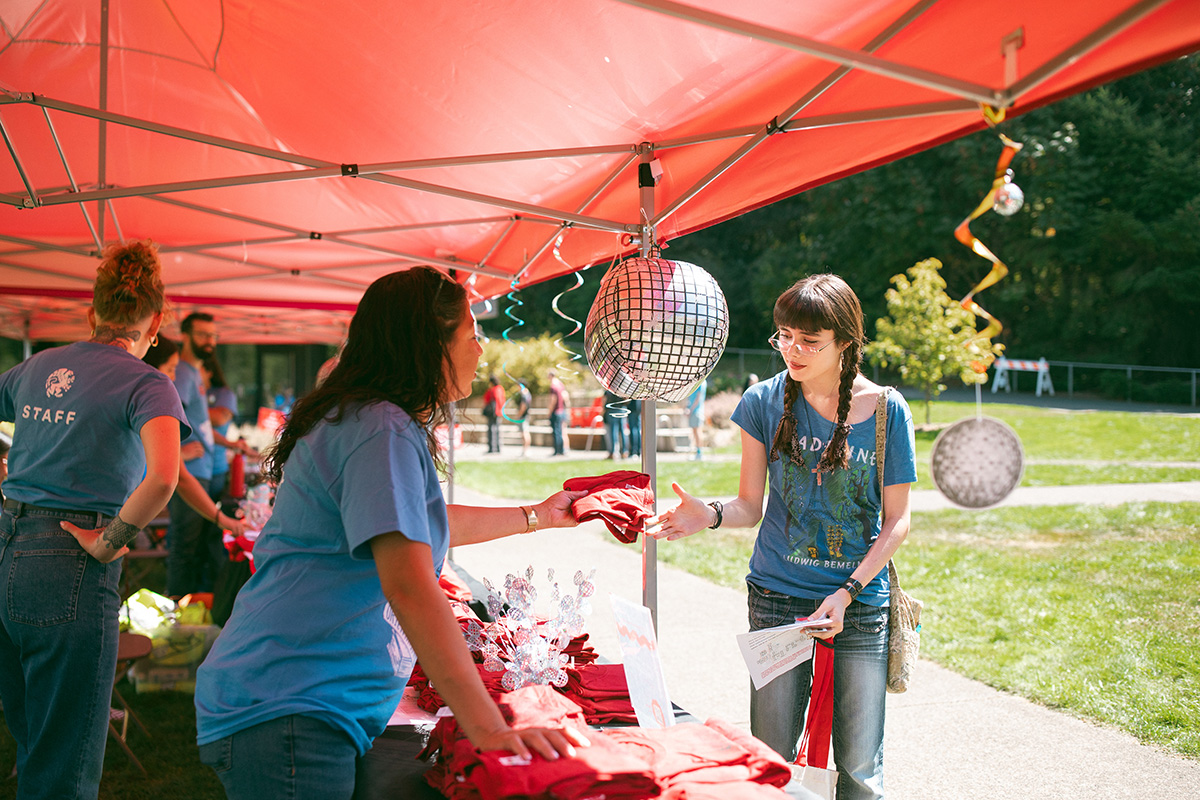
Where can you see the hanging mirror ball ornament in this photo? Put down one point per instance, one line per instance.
(1009, 197)
(656, 328)
(977, 462)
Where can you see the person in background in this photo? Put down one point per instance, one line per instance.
(695, 409)
(164, 357)
(809, 436)
(345, 595)
(615, 410)
(95, 456)
(521, 416)
(560, 403)
(222, 409)
(493, 410)
(189, 545)
(634, 421)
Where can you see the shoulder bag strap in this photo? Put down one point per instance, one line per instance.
(880, 455)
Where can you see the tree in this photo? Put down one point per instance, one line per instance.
(928, 336)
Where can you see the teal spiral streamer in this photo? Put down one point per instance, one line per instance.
(514, 302)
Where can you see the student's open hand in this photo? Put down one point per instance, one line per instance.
(691, 515)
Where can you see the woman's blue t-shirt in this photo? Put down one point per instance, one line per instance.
(311, 632)
(813, 536)
(79, 411)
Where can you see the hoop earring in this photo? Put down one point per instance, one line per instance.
(154, 340)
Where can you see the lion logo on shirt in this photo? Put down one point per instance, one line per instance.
(59, 382)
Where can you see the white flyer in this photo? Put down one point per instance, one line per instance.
(771, 652)
(643, 669)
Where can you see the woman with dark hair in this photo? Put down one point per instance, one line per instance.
(823, 547)
(94, 458)
(345, 595)
(164, 357)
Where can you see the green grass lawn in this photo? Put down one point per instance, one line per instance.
(1105, 439)
(1093, 610)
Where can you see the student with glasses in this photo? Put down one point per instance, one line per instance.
(808, 436)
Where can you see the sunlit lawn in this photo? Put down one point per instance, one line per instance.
(1108, 440)
(1092, 609)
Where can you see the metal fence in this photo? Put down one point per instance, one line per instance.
(738, 363)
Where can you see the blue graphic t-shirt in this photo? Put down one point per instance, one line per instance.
(78, 412)
(311, 632)
(813, 536)
(195, 405)
(222, 397)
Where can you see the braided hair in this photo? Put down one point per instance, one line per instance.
(821, 302)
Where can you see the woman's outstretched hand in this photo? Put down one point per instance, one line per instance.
(555, 510)
(549, 743)
(691, 515)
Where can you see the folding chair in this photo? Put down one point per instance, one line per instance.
(130, 648)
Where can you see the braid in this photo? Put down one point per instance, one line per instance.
(785, 433)
(836, 454)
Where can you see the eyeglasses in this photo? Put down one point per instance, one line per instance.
(784, 342)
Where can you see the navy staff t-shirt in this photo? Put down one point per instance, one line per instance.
(78, 412)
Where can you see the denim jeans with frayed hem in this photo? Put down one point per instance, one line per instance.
(859, 691)
(58, 652)
(293, 757)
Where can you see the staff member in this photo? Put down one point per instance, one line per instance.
(345, 596)
(95, 456)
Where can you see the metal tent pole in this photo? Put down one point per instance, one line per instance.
(647, 179)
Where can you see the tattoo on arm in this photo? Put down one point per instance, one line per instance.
(118, 533)
(107, 334)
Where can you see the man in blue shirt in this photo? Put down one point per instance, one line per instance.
(194, 553)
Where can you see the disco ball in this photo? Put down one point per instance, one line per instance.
(977, 462)
(656, 329)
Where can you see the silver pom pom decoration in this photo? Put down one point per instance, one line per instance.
(977, 462)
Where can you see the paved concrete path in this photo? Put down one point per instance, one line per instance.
(948, 738)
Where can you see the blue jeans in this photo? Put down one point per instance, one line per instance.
(194, 548)
(493, 434)
(58, 652)
(557, 418)
(635, 430)
(614, 431)
(293, 757)
(859, 691)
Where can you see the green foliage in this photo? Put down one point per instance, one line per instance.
(927, 336)
(1102, 257)
(530, 360)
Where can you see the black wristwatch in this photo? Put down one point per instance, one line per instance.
(852, 587)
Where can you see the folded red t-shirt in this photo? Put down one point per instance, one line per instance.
(623, 499)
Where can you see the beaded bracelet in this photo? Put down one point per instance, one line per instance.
(718, 507)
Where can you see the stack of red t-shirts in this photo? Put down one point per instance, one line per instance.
(713, 753)
(429, 700)
(601, 691)
(623, 499)
(580, 651)
(688, 760)
(603, 768)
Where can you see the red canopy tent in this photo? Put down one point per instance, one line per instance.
(285, 154)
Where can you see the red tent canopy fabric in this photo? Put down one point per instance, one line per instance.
(284, 154)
